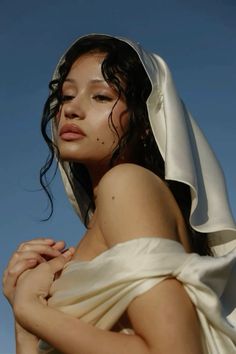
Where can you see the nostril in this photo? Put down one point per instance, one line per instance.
(70, 113)
(72, 109)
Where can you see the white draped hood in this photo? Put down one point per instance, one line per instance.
(187, 156)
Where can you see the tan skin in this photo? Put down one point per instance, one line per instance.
(163, 317)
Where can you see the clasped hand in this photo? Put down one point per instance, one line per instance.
(34, 285)
(32, 269)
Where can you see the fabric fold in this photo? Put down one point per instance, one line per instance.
(99, 291)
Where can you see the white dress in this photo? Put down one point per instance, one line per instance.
(99, 291)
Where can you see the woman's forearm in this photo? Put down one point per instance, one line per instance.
(26, 342)
(72, 336)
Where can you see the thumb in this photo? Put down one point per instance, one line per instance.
(56, 264)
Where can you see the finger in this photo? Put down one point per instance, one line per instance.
(42, 250)
(28, 255)
(55, 244)
(46, 251)
(43, 240)
(58, 263)
(34, 246)
(26, 246)
(59, 245)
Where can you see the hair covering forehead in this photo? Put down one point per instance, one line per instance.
(187, 155)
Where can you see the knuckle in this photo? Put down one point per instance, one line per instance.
(25, 244)
(26, 247)
(34, 255)
(17, 254)
(21, 245)
(11, 272)
(25, 263)
(4, 277)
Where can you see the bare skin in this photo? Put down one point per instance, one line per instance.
(121, 195)
(156, 330)
(27, 256)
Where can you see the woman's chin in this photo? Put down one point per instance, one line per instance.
(69, 152)
(69, 156)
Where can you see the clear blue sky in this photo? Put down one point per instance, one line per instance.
(195, 37)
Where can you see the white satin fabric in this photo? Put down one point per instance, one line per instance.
(99, 291)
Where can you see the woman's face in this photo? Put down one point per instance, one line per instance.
(84, 134)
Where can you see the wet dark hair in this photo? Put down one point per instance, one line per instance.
(122, 69)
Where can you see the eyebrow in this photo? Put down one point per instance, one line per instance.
(93, 81)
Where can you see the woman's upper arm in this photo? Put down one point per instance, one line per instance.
(132, 202)
(166, 319)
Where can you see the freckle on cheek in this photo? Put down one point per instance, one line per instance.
(113, 197)
(97, 139)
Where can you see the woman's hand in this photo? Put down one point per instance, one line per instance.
(28, 255)
(34, 284)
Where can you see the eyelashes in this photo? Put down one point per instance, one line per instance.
(97, 97)
(66, 98)
(102, 98)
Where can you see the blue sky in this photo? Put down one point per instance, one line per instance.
(195, 37)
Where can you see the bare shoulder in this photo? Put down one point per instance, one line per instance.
(126, 171)
(133, 202)
(129, 174)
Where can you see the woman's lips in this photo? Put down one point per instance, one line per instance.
(71, 132)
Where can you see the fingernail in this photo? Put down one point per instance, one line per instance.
(69, 252)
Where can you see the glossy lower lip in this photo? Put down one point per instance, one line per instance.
(70, 136)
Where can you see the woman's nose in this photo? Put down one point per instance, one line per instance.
(73, 109)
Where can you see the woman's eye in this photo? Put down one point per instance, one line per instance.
(65, 98)
(102, 98)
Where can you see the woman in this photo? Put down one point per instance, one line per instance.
(145, 183)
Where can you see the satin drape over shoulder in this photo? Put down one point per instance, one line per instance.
(99, 291)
